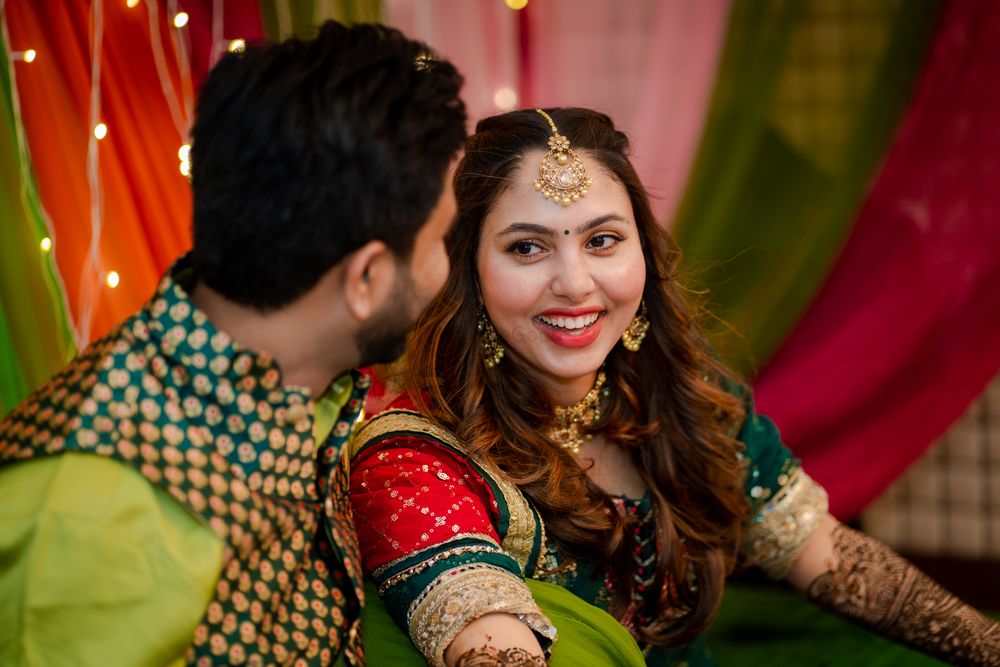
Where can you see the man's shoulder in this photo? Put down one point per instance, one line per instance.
(106, 380)
(89, 547)
(96, 493)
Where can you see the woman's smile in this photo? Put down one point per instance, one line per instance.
(571, 329)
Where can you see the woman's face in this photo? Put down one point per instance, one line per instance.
(561, 284)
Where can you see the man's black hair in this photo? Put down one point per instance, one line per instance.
(303, 151)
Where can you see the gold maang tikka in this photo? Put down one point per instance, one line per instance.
(562, 176)
(568, 422)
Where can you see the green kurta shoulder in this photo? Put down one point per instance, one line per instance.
(104, 568)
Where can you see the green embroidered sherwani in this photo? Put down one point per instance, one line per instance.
(216, 508)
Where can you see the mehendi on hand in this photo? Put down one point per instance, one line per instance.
(488, 656)
(876, 587)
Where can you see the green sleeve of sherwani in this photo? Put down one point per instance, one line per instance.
(97, 566)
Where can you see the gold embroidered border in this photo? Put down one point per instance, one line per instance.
(459, 596)
(423, 565)
(381, 569)
(543, 545)
(520, 536)
(785, 525)
(401, 420)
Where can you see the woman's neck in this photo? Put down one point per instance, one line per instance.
(568, 391)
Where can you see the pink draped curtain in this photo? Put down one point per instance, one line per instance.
(649, 64)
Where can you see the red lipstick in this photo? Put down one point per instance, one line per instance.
(571, 338)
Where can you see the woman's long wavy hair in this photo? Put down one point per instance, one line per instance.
(667, 408)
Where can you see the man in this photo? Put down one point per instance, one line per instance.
(176, 494)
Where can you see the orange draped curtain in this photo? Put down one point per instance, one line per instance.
(146, 200)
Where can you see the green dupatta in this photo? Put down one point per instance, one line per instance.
(587, 634)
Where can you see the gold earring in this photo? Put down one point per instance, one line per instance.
(636, 331)
(492, 348)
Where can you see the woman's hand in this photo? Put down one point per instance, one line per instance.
(862, 579)
(495, 640)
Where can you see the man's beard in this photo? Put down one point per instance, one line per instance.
(382, 339)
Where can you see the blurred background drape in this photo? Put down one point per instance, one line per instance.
(829, 167)
(905, 331)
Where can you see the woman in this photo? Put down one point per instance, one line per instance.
(563, 419)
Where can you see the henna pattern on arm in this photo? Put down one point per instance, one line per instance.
(487, 656)
(878, 588)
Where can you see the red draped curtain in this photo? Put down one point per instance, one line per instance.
(905, 332)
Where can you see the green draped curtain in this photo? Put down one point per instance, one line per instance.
(807, 98)
(284, 18)
(36, 338)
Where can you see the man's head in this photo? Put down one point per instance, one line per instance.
(332, 153)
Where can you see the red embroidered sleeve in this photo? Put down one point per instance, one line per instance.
(427, 524)
(410, 494)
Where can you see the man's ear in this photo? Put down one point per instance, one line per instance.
(369, 276)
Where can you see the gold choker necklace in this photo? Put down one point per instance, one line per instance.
(568, 422)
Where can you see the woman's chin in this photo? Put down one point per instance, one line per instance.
(580, 362)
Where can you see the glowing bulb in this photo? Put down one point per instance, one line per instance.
(184, 155)
(100, 131)
(112, 279)
(237, 45)
(131, 3)
(505, 99)
(180, 20)
(29, 55)
(46, 244)
(516, 4)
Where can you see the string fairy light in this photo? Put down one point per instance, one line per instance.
(24, 56)
(516, 4)
(237, 45)
(218, 42)
(184, 155)
(57, 285)
(181, 111)
(177, 109)
(181, 40)
(88, 290)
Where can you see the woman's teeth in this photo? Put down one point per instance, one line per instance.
(570, 323)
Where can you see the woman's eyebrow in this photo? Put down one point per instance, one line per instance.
(543, 230)
(598, 221)
(527, 227)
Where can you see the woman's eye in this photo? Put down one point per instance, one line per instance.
(603, 241)
(524, 248)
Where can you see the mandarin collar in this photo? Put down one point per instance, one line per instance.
(184, 333)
